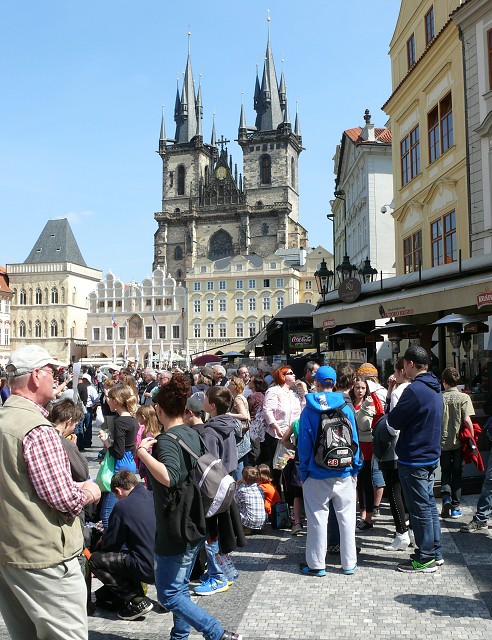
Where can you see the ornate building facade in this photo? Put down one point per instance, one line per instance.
(209, 210)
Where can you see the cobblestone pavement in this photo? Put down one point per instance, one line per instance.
(272, 600)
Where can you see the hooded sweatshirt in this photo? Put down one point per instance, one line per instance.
(316, 404)
(219, 436)
(418, 418)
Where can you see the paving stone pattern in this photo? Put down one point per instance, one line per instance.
(272, 600)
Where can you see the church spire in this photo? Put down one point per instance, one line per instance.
(186, 121)
(213, 139)
(243, 131)
(199, 111)
(282, 91)
(267, 105)
(297, 124)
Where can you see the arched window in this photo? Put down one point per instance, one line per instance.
(178, 253)
(292, 172)
(37, 329)
(220, 245)
(39, 296)
(23, 300)
(22, 329)
(181, 180)
(54, 329)
(265, 169)
(179, 274)
(264, 229)
(62, 327)
(54, 295)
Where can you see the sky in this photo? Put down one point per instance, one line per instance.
(84, 83)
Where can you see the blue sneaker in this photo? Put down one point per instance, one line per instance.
(349, 572)
(211, 586)
(455, 513)
(317, 573)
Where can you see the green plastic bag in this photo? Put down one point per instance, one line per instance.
(105, 473)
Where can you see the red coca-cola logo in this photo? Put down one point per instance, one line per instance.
(301, 340)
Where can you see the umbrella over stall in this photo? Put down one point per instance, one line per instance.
(205, 358)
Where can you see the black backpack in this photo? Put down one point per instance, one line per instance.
(335, 448)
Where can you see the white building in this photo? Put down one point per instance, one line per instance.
(6, 295)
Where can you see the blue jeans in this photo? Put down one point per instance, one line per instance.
(484, 504)
(107, 505)
(172, 578)
(418, 489)
(214, 569)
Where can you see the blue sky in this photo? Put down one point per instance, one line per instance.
(84, 82)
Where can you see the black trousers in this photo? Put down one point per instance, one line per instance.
(110, 569)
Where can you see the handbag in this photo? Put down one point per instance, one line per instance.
(105, 473)
(257, 427)
(98, 421)
(244, 446)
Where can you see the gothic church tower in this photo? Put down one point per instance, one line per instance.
(208, 209)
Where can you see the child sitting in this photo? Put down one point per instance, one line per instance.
(250, 500)
(271, 494)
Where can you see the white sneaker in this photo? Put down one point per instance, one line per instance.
(400, 543)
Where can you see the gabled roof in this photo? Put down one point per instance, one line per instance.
(4, 281)
(56, 244)
(381, 135)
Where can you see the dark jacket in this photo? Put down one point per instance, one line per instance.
(132, 523)
(418, 418)
(219, 436)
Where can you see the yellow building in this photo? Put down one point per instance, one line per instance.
(427, 112)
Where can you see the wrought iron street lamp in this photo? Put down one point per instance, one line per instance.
(368, 273)
(324, 279)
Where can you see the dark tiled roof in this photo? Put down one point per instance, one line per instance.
(380, 135)
(56, 244)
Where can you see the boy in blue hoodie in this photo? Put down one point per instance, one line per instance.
(320, 484)
(418, 419)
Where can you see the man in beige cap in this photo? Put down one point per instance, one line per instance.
(42, 589)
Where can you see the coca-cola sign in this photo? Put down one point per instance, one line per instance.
(302, 340)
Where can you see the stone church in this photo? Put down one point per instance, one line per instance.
(209, 210)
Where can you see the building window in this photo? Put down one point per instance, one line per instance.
(122, 333)
(265, 169)
(440, 127)
(292, 173)
(176, 332)
(239, 304)
(162, 332)
(489, 56)
(54, 295)
(280, 282)
(239, 284)
(412, 252)
(210, 329)
(181, 180)
(252, 283)
(109, 333)
(22, 329)
(203, 269)
(222, 304)
(273, 265)
(222, 285)
(280, 303)
(148, 332)
(411, 51)
(410, 156)
(7, 336)
(197, 306)
(251, 329)
(210, 285)
(96, 334)
(239, 330)
(178, 253)
(38, 296)
(54, 329)
(222, 330)
(443, 239)
(37, 329)
(266, 304)
(210, 306)
(429, 26)
(239, 267)
(252, 304)
(266, 283)
(197, 286)
(22, 298)
(308, 285)
(197, 331)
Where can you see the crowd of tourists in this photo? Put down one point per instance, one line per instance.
(313, 453)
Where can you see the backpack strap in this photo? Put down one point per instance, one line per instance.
(184, 446)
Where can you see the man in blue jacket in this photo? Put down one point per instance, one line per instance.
(418, 419)
(321, 484)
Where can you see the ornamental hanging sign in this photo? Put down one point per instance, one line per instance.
(349, 290)
(484, 299)
(301, 340)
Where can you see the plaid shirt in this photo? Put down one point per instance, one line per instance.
(250, 500)
(49, 470)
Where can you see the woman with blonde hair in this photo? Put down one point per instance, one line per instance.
(148, 427)
(132, 383)
(240, 411)
(122, 400)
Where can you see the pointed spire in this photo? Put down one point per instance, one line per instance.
(162, 136)
(186, 123)
(282, 90)
(177, 102)
(297, 124)
(199, 110)
(213, 139)
(242, 133)
(256, 99)
(286, 119)
(268, 109)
